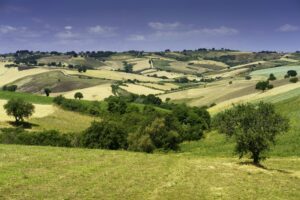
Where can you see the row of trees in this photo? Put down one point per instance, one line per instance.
(254, 127)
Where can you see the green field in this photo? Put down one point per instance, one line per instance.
(279, 72)
(26, 96)
(61, 173)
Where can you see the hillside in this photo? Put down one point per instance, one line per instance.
(206, 169)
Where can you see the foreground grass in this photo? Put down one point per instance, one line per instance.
(62, 173)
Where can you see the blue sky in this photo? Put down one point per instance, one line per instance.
(149, 25)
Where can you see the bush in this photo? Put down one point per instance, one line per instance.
(105, 135)
(262, 85)
(11, 88)
(292, 73)
(294, 80)
(43, 138)
(272, 77)
(248, 77)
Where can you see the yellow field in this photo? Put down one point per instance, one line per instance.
(255, 96)
(98, 92)
(164, 86)
(112, 75)
(140, 64)
(139, 89)
(40, 111)
(227, 74)
(209, 62)
(8, 75)
(206, 95)
(249, 64)
(167, 74)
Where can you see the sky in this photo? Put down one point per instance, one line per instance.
(149, 25)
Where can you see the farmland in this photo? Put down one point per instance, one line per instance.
(154, 85)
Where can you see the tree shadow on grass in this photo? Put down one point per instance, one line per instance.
(249, 163)
(25, 125)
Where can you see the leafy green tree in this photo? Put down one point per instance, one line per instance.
(116, 105)
(78, 95)
(19, 109)
(292, 73)
(128, 68)
(272, 77)
(262, 85)
(254, 128)
(105, 135)
(47, 91)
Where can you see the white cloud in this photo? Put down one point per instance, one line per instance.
(106, 31)
(164, 26)
(288, 28)
(196, 32)
(136, 38)
(7, 29)
(68, 27)
(66, 35)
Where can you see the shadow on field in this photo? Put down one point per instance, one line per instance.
(249, 163)
(25, 125)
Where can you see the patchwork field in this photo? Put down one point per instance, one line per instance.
(139, 89)
(98, 92)
(56, 81)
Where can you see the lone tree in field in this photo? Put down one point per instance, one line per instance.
(19, 109)
(272, 77)
(78, 95)
(253, 126)
(292, 73)
(263, 85)
(47, 91)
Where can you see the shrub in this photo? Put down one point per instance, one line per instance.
(47, 91)
(248, 77)
(78, 95)
(292, 73)
(105, 135)
(262, 85)
(11, 88)
(43, 138)
(294, 80)
(272, 77)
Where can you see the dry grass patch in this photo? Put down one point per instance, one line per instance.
(98, 92)
(139, 89)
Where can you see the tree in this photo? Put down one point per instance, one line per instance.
(262, 85)
(106, 135)
(47, 91)
(19, 109)
(253, 126)
(292, 73)
(128, 68)
(272, 77)
(78, 95)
